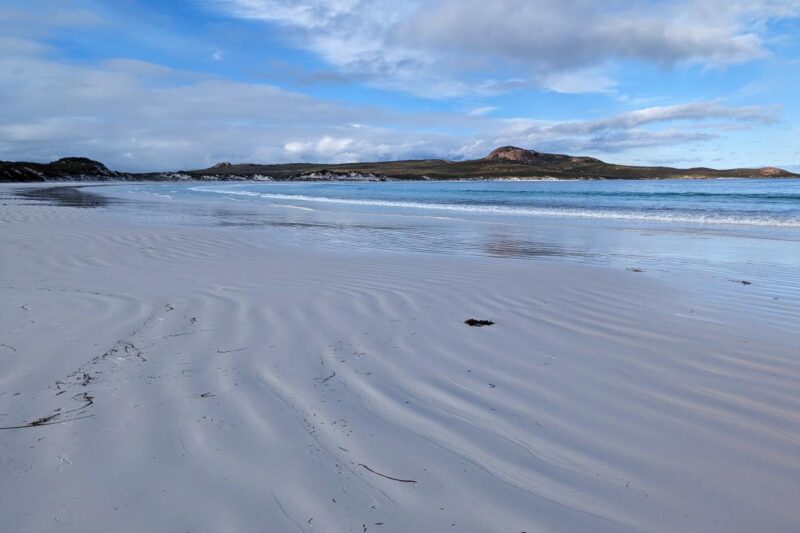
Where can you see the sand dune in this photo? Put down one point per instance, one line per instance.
(201, 379)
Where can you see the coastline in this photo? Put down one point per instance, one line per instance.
(310, 388)
(160, 178)
(507, 162)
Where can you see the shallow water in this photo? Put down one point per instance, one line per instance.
(719, 225)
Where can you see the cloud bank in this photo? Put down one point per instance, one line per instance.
(140, 115)
(444, 48)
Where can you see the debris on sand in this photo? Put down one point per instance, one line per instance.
(742, 281)
(50, 420)
(326, 379)
(43, 421)
(475, 323)
(232, 351)
(387, 477)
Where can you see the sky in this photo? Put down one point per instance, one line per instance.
(152, 85)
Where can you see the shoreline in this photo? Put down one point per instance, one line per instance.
(382, 179)
(236, 382)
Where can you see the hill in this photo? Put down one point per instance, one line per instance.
(504, 162)
(507, 162)
(66, 169)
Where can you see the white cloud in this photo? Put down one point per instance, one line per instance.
(433, 47)
(481, 111)
(568, 33)
(328, 149)
(634, 129)
(590, 80)
(697, 111)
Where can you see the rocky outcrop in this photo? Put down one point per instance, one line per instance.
(512, 153)
(328, 175)
(771, 172)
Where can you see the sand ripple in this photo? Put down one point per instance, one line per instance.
(238, 386)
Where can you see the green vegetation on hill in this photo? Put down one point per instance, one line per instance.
(506, 162)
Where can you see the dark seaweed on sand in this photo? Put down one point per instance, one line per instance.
(478, 323)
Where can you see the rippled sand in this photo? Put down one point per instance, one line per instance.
(198, 379)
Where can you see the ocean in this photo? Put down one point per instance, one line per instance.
(732, 201)
(731, 227)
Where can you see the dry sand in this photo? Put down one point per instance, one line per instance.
(189, 379)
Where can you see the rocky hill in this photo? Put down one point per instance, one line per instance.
(66, 169)
(532, 157)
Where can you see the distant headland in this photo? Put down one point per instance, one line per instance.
(507, 162)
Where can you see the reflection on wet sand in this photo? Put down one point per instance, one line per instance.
(65, 196)
(231, 218)
(510, 246)
(325, 228)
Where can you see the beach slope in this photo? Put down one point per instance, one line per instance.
(176, 378)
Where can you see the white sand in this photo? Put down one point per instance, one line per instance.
(601, 400)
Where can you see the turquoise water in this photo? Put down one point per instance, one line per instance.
(744, 202)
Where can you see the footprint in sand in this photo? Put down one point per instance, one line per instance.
(65, 516)
(64, 462)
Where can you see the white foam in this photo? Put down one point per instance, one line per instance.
(290, 206)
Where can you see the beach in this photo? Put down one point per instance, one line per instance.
(225, 366)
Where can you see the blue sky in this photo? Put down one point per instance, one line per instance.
(156, 85)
